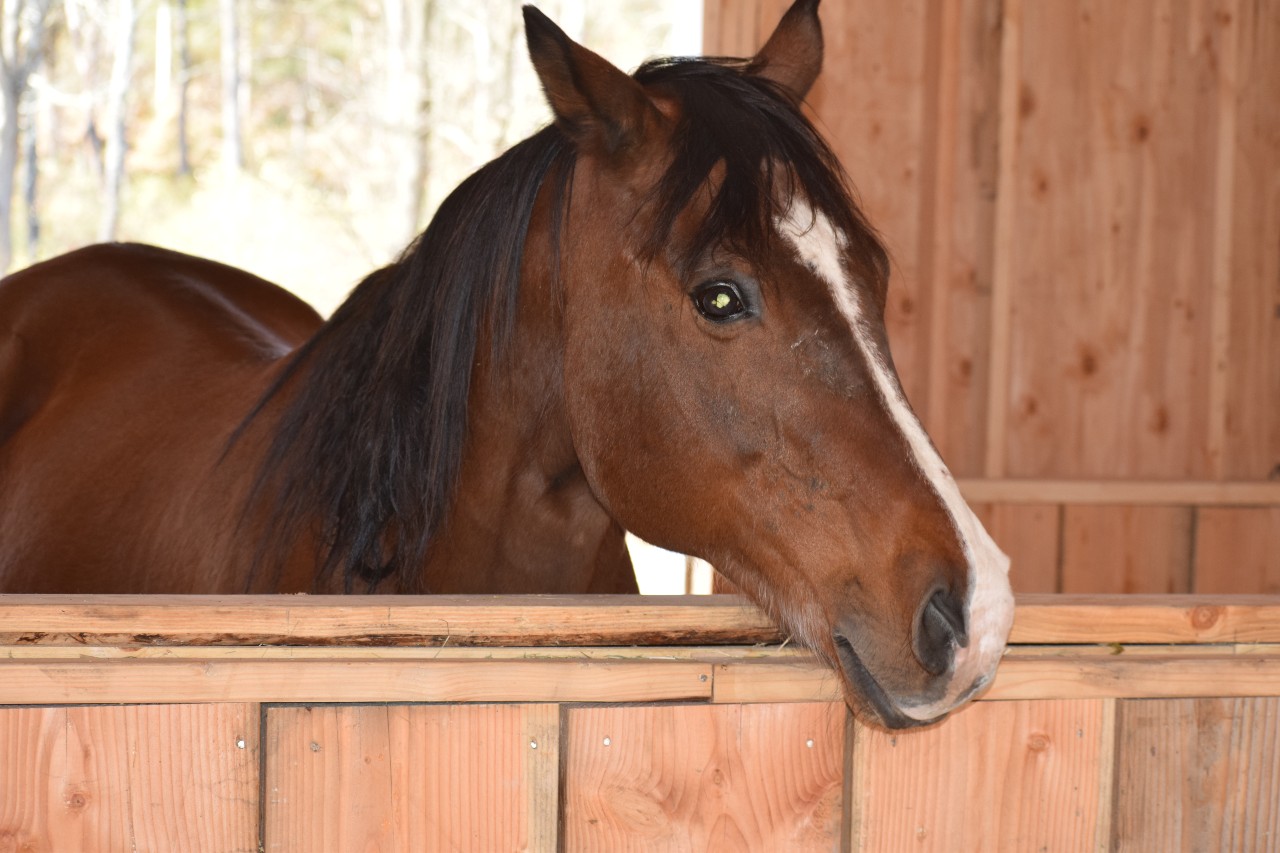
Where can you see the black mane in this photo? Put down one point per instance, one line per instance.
(367, 453)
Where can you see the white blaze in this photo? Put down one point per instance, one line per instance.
(990, 608)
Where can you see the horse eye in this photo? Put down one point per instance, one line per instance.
(719, 301)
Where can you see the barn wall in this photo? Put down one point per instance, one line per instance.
(1082, 200)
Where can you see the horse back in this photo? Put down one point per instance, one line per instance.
(124, 370)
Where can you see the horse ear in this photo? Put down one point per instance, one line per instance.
(595, 103)
(792, 57)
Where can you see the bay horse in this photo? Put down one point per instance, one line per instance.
(662, 313)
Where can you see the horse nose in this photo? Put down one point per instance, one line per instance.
(939, 630)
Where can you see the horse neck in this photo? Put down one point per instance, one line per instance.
(524, 518)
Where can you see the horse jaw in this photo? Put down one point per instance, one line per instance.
(990, 606)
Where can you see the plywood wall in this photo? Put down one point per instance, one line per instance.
(1082, 200)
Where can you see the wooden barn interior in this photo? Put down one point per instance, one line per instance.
(1082, 201)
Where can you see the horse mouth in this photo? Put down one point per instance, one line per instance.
(869, 689)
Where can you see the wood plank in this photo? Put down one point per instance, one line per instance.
(592, 620)
(1118, 132)
(1238, 550)
(351, 681)
(1198, 774)
(1221, 285)
(872, 103)
(1003, 270)
(1094, 676)
(759, 777)
(960, 271)
(1032, 537)
(1050, 619)
(82, 622)
(997, 776)
(152, 778)
(1251, 432)
(1148, 492)
(1120, 677)
(410, 778)
(1126, 549)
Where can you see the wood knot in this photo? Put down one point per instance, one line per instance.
(1204, 616)
(76, 800)
(1038, 742)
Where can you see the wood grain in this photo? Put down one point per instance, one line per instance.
(1251, 420)
(152, 680)
(140, 778)
(1113, 240)
(996, 776)
(1198, 774)
(759, 777)
(476, 620)
(1032, 537)
(1237, 549)
(1147, 492)
(1126, 549)
(412, 778)
(958, 254)
(83, 622)
(1165, 672)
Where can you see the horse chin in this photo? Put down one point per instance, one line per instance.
(870, 696)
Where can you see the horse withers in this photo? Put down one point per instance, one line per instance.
(663, 313)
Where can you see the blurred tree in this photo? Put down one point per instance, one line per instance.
(21, 48)
(232, 135)
(123, 24)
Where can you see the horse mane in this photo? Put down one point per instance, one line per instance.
(368, 449)
(367, 453)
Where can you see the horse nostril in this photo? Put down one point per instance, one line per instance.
(940, 630)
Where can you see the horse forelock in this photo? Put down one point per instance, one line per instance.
(763, 153)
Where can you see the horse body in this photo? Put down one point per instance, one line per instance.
(663, 313)
(111, 487)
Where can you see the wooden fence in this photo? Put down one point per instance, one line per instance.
(343, 724)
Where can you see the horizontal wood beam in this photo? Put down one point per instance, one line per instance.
(1110, 677)
(653, 679)
(134, 681)
(496, 621)
(529, 620)
(1140, 492)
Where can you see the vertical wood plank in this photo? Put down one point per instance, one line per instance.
(1198, 774)
(412, 777)
(1228, 18)
(726, 777)
(1126, 549)
(961, 229)
(1112, 240)
(871, 102)
(996, 776)
(133, 778)
(1238, 550)
(1031, 534)
(995, 457)
(1251, 440)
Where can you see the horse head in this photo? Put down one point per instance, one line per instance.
(727, 375)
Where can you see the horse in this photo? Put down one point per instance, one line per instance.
(662, 313)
